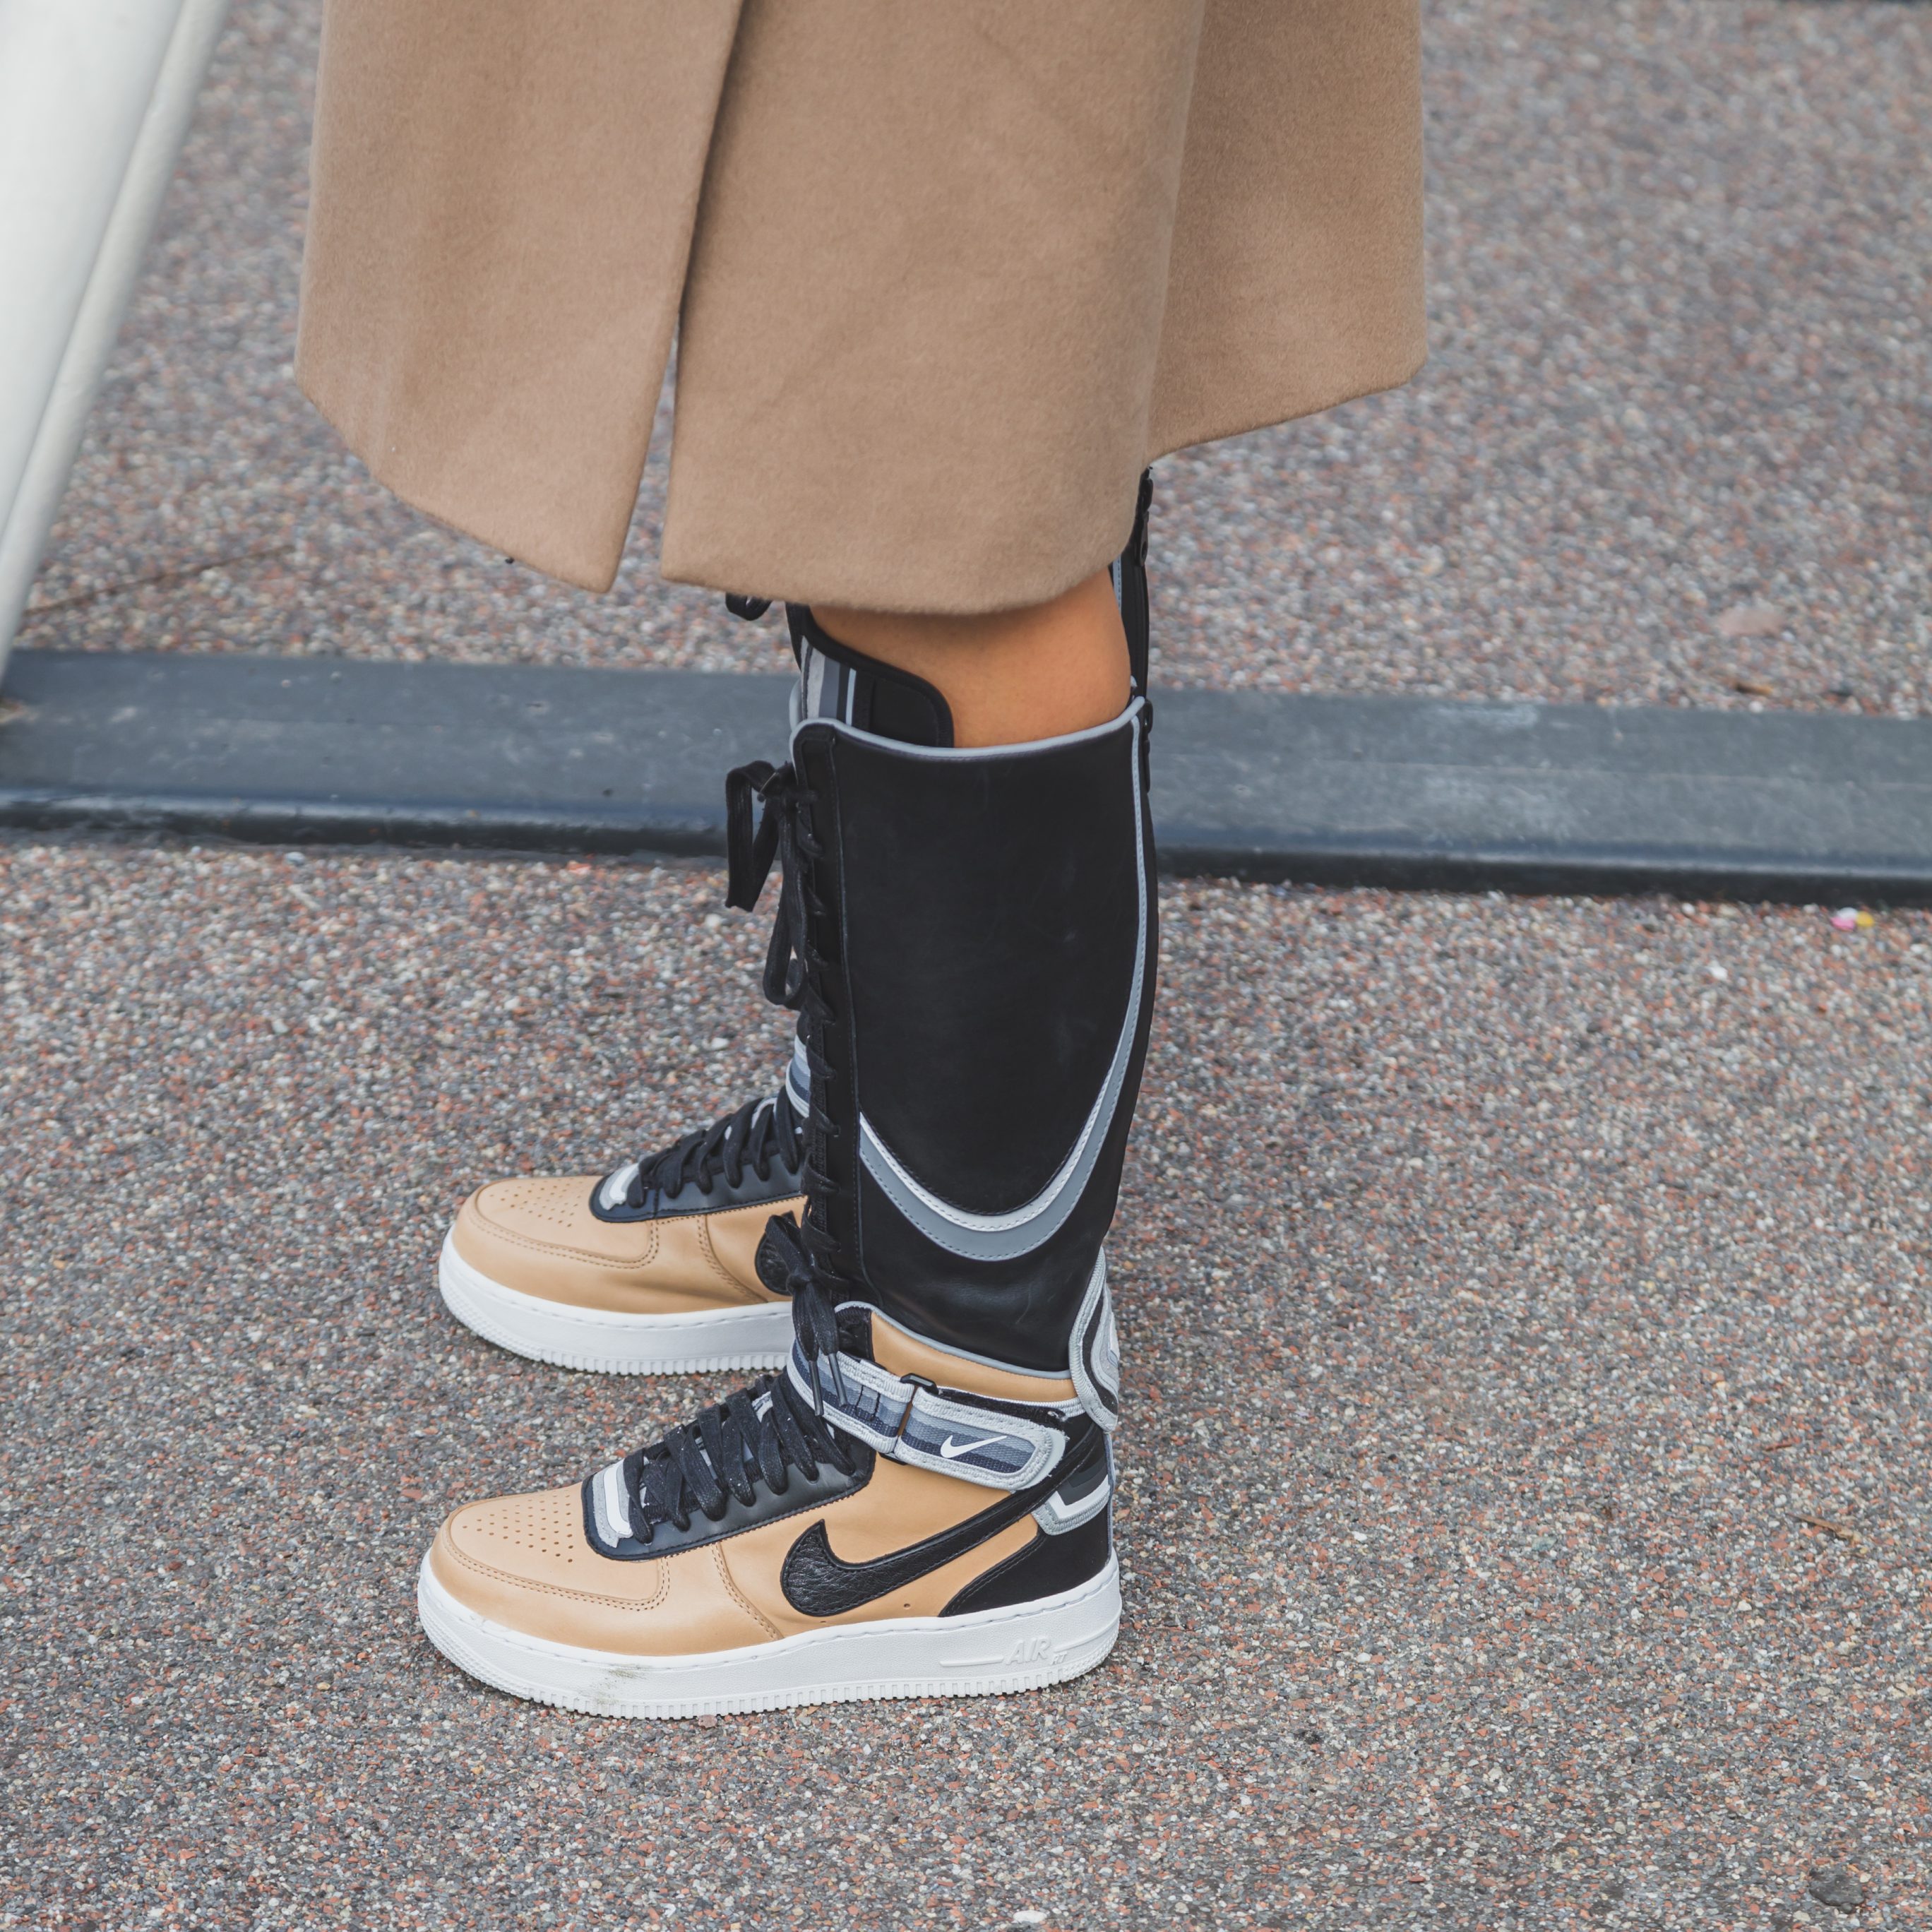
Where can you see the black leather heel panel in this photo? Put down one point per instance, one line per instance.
(979, 919)
(1046, 1566)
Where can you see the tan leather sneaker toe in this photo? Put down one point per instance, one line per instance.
(649, 1270)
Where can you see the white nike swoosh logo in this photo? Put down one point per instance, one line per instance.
(949, 1448)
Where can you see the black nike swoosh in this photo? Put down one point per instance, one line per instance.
(818, 1584)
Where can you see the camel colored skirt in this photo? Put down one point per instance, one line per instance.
(944, 275)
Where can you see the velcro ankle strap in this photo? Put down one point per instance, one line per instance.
(956, 1433)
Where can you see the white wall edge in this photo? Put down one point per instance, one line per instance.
(117, 250)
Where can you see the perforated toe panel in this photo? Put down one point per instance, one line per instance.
(549, 1206)
(538, 1537)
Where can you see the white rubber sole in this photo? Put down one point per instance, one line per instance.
(985, 1653)
(755, 1337)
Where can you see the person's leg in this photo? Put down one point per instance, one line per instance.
(1010, 676)
(921, 1504)
(649, 1269)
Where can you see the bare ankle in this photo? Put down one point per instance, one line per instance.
(1010, 676)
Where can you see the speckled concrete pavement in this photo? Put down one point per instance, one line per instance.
(1673, 446)
(1526, 1500)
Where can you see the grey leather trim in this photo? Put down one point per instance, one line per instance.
(1057, 1516)
(1005, 1237)
(1094, 1355)
(611, 1503)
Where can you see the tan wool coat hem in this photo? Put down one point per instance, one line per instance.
(943, 280)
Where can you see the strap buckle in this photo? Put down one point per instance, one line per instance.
(919, 1384)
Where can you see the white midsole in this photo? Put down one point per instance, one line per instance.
(1021, 1648)
(758, 1336)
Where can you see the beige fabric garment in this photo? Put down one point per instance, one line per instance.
(949, 276)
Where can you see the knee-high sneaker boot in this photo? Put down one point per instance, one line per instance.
(651, 1268)
(920, 1504)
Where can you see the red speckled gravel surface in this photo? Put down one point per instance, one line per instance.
(1525, 1501)
(1673, 446)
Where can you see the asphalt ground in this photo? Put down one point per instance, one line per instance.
(1524, 1506)
(1524, 1502)
(1673, 447)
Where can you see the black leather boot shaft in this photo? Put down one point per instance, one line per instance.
(987, 934)
(969, 938)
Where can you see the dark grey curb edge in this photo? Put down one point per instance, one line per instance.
(1610, 871)
(1406, 792)
(427, 824)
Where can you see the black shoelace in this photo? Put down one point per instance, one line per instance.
(758, 1133)
(782, 831)
(794, 975)
(760, 1435)
(763, 1432)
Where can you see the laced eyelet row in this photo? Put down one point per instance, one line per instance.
(763, 1432)
(759, 1132)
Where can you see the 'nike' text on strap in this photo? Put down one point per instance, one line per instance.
(913, 1423)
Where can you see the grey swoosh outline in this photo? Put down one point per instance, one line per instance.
(1005, 1237)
